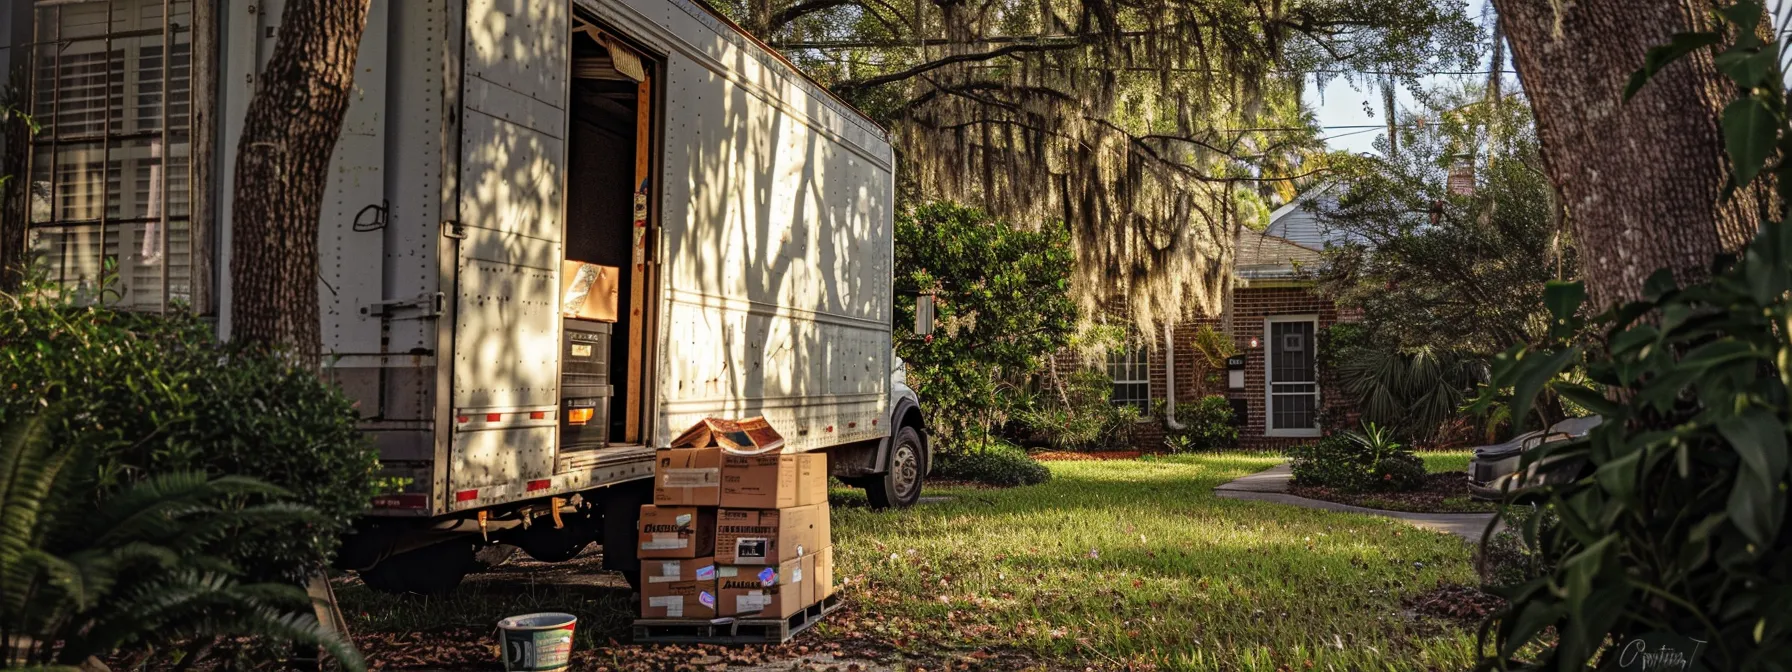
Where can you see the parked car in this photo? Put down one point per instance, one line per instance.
(1494, 471)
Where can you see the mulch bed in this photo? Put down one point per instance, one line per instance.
(1091, 456)
(1466, 605)
(1445, 492)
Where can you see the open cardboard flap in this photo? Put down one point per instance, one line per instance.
(752, 436)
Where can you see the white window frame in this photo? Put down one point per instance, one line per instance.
(1269, 383)
(1145, 365)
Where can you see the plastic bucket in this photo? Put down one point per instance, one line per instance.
(536, 642)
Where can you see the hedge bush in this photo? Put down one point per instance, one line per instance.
(1206, 425)
(998, 464)
(1354, 462)
(159, 394)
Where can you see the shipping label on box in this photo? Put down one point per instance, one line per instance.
(658, 570)
(680, 599)
(676, 532)
(751, 436)
(811, 479)
(759, 481)
(762, 592)
(768, 537)
(687, 477)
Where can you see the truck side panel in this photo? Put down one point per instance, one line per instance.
(775, 238)
(507, 326)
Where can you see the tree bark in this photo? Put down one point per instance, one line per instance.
(1644, 181)
(282, 170)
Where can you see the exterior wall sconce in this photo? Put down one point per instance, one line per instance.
(1255, 343)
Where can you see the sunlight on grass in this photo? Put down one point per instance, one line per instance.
(1446, 460)
(1139, 561)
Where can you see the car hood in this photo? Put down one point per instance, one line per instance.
(1572, 428)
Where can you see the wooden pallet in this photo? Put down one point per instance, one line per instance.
(732, 631)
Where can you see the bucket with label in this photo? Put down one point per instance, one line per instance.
(536, 642)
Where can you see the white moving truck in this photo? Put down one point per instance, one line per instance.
(747, 212)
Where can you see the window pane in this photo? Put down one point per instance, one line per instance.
(1131, 374)
(1295, 411)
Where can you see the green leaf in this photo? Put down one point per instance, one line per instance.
(1563, 300)
(1536, 371)
(1587, 399)
(1659, 57)
(1747, 68)
(1760, 440)
(1750, 131)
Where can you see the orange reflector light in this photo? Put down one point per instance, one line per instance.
(579, 416)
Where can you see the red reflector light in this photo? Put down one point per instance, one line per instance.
(466, 495)
(494, 417)
(830, 428)
(539, 485)
(580, 416)
(461, 419)
(851, 425)
(538, 415)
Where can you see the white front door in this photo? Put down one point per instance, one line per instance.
(1291, 372)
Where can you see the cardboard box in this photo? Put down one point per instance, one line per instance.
(679, 599)
(658, 570)
(775, 591)
(588, 291)
(811, 479)
(823, 576)
(676, 532)
(751, 436)
(688, 477)
(759, 481)
(768, 537)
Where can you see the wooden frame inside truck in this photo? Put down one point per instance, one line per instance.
(747, 212)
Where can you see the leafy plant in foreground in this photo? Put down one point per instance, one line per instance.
(1358, 462)
(86, 572)
(1678, 524)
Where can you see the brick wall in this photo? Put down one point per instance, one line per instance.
(1251, 306)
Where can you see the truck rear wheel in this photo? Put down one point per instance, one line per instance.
(905, 467)
(431, 570)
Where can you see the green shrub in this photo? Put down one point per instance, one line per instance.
(1365, 462)
(1206, 425)
(88, 571)
(1511, 556)
(1077, 413)
(158, 394)
(998, 464)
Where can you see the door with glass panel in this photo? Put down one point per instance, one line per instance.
(1292, 373)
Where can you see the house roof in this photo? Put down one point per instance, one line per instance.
(1260, 256)
(1295, 223)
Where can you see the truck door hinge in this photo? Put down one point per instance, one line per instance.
(453, 229)
(429, 305)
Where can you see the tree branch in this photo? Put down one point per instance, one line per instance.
(881, 80)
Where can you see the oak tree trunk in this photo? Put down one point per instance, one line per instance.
(1643, 182)
(282, 169)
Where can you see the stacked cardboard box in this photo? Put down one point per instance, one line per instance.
(736, 528)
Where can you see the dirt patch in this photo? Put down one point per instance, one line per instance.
(1465, 605)
(1441, 493)
(1091, 456)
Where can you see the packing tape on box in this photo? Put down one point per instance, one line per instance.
(665, 541)
(673, 604)
(690, 477)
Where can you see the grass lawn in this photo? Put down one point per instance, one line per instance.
(1446, 460)
(1111, 563)
(1138, 562)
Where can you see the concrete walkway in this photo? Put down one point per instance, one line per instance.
(1271, 485)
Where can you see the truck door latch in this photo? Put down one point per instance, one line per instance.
(429, 305)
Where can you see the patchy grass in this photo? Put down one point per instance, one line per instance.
(1138, 562)
(1110, 564)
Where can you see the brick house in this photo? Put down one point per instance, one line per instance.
(1275, 317)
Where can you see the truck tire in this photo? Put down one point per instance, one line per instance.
(904, 468)
(431, 570)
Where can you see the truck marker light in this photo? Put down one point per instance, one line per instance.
(538, 415)
(466, 495)
(579, 416)
(541, 484)
(852, 425)
(462, 419)
(494, 417)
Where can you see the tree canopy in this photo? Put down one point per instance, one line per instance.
(1137, 122)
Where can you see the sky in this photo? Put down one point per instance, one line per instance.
(1340, 107)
